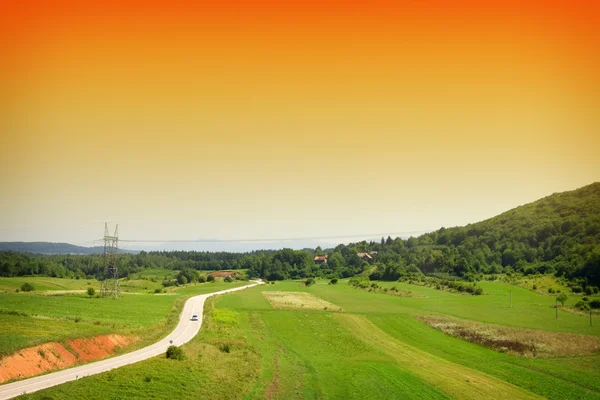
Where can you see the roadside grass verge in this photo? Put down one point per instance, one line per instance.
(516, 341)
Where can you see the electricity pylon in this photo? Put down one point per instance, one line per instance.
(110, 283)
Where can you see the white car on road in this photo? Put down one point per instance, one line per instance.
(194, 317)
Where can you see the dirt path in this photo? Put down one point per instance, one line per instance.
(456, 380)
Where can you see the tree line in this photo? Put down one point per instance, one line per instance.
(559, 234)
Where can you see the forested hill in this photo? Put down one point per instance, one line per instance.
(574, 214)
(559, 233)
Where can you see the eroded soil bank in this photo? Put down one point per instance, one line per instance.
(52, 356)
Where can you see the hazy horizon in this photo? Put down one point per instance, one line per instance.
(248, 243)
(290, 119)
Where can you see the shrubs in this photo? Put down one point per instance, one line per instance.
(590, 290)
(167, 283)
(225, 347)
(576, 289)
(595, 304)
(309, 282)
(362, 282)
(175, 353)
(448, 283)
(202, 279)
(91, 291)
(228, 279)
(27, 287)
(210, 278)
(333, 281)
(156, 291)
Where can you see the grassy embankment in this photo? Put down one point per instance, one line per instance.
(374, 348)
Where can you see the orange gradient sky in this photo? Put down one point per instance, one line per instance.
(277, 119)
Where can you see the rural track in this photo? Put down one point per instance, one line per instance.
(183, 333)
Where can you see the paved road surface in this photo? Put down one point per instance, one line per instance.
(184, 332)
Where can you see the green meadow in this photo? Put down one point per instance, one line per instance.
(32, 318)
(42, 283)
(374, 348)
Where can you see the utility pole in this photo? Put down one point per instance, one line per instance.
(110, 284)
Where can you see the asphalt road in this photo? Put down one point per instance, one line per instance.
(184, 332)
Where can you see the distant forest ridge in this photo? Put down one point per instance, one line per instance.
(54, 248)
(559, 234)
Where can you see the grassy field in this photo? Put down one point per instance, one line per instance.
(158, 273)
(45, 283)
(374, 348)
(29, 319)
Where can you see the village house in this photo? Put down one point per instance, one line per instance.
(365, 256)
(321, 259)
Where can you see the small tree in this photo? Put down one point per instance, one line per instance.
(228, 279)
(210, 278)
(309, 281)
(562, 298)
(333, 281)
(27, 287)
(91, 291)
(175, 353)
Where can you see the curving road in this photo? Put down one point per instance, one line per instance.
(184, 332)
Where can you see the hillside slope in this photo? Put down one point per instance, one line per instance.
(559, 233)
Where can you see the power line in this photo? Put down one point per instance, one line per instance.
(286, 239)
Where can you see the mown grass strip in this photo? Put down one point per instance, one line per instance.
(453, 379)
